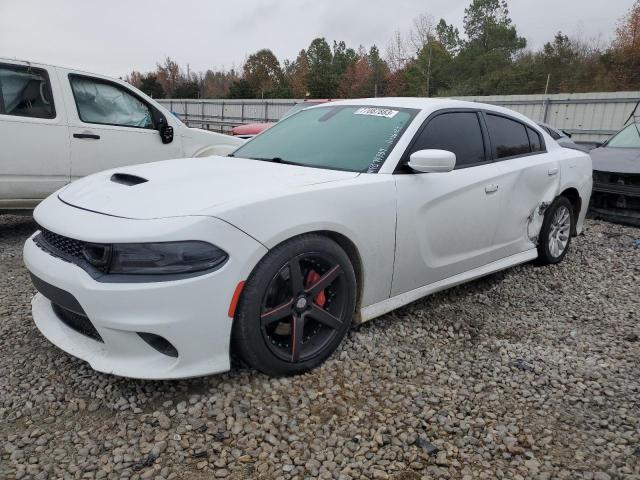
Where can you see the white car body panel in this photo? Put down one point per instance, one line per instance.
(40, 155)
(414, 234)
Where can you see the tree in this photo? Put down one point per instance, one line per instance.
(149, 84)
(297, 73)
(379, 73)
(448, 36)
(263, 72)
(187, 89)
(356, 80)
(169, 76)
(241, 88)
(321, 80)
(628, 30)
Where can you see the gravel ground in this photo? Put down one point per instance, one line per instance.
(529, 373)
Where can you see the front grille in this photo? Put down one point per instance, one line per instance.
(614, 178)
(60, 245)
(66, 248)
(77, 322)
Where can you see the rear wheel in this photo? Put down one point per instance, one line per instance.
(555, 234)
(296, 306)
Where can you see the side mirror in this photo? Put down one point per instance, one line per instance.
(165, 130)
(432, 161)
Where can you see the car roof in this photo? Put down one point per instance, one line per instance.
(428, 104)
(51, 65)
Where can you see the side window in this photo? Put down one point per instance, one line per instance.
(25, 92)
(534, 140)
(108, 104)
(457, 132)
(508, 137)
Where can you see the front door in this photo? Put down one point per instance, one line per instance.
(446, 221)
(111, 127)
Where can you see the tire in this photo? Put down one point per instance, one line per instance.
(555, 235)
(285, 324)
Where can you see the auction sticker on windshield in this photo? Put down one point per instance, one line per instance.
(376, 112)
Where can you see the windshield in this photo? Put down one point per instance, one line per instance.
(628, 137)
(299, 106)
(352, 138)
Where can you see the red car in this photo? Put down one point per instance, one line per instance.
(252, 129)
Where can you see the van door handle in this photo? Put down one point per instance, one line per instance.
(90, 136)
(491, 188)
(552, 171)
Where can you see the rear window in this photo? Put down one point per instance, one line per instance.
(508, 137)
(25, 92)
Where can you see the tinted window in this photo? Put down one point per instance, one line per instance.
(353, 138)
(534, 140)
(25, 92)
(457, 132)
(508, 137)
(106, 103)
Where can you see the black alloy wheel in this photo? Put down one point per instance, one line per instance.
(296, 307)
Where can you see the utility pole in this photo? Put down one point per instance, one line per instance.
(429, 70)
(546, 88)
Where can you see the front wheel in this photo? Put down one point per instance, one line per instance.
(296, 306)
(555, 234)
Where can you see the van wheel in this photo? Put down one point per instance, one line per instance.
(555, 234)
(296, 306)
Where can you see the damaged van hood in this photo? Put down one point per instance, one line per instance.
(190, 186)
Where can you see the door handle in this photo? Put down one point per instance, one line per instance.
(90, 136)
(491, 188)
(552, 171)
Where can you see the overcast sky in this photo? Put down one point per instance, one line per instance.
(118, 36)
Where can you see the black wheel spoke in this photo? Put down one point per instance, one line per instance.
(324, 281)
(277, 313)
(297, 331)
(295, 273)
(324, 317)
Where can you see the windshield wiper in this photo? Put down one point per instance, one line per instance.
(278, 160)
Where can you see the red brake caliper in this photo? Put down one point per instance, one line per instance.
(313, 277)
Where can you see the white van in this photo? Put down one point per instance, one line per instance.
(57, 125)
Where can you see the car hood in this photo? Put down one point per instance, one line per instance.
(190, 186)
(621, 160)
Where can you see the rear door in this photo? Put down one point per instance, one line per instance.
(111, 126)
(529, 176)
(446, 221)
(34, 137)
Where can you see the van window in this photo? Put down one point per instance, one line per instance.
(108, 104)
(25, 92)
(457, 132)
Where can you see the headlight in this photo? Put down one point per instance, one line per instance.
(155, 258)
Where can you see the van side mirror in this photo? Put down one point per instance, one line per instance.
(432, 161)
(165, 130)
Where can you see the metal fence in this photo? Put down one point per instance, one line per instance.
(587, 116)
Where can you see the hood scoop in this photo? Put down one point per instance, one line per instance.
(127, 179)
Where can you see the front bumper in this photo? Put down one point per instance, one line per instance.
(191, 314)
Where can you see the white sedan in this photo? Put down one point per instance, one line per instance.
(334, 216)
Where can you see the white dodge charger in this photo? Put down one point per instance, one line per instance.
(336, 215)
